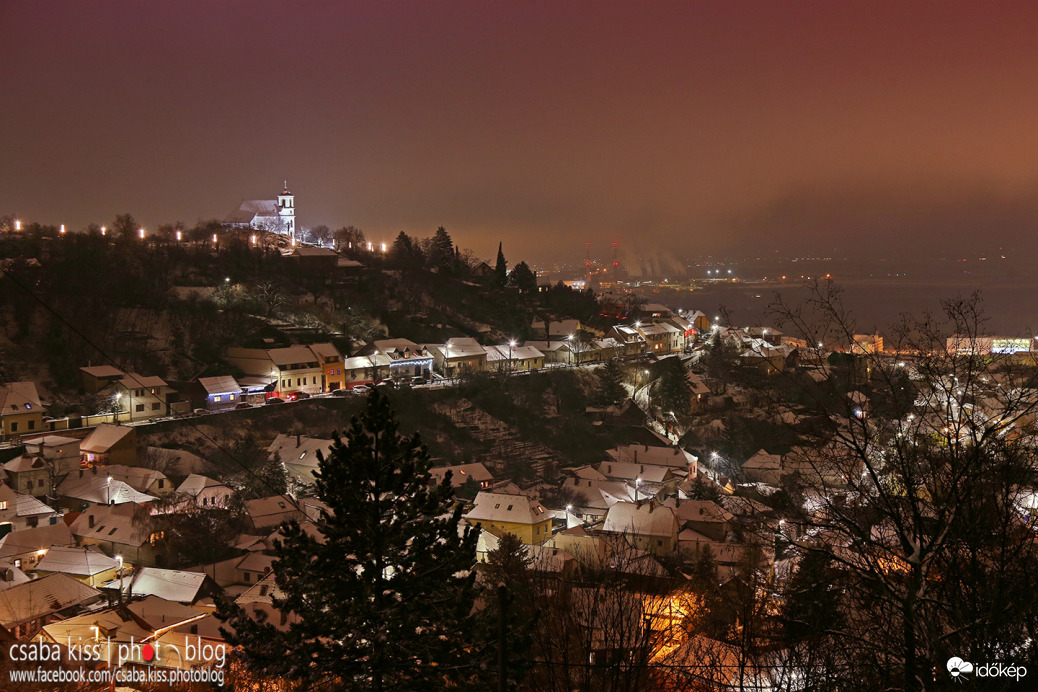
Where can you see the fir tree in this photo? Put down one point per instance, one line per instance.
(523, 278)
(501, 268)
(441, 250)
(611, 388)
(673, 389)
(382, 599)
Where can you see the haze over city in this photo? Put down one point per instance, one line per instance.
(676, 128)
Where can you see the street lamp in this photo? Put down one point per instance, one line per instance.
(104, 231)
(140, 232)
(511, 345)
(637, 487)
(120, 559)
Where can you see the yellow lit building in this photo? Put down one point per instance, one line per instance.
(499, 513)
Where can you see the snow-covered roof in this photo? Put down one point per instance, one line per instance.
(461, 473)
(221, 384)
(35, 539)
(641, 518)
(104, 437)
(84, 562)
(41, 597)
(19, 397)
(101, 489)
(170, 584)
(516, 509)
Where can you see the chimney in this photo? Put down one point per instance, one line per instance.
(646, 448)
(636, 456)
(299, 440)
(90, 521)
(652, 506)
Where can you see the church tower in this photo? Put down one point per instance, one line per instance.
(287, 210)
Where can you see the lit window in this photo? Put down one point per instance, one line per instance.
(3, 504)
(217, 398)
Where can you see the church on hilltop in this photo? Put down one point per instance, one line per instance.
(276, 216)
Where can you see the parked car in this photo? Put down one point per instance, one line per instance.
(360, 389)
(301, 395)
(201, 411)
(274, 400)
(389, 382)
(243, 405)
(417, 380)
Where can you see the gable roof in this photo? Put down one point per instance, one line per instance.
(85, 561)
(43, 596)
(641, 518)
(221, 384)
(104, 437)
(124, 524)
(170, 584)
(101, 490)
(103, 371)
(39, 538)
(137, 477)
(516, 509)
(196, 483)
(19, 397)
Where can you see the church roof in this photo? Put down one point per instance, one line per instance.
(250, 209)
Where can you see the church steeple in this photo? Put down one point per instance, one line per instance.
(287, 210)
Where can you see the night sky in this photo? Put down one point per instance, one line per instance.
(716, 127)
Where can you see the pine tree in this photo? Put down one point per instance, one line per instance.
(523, 278)
(611, 388)
(673, 390)
(441, 250)
(383, 598)
(501, 268)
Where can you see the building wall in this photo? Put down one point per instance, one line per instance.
(529, 534)
(21, 423)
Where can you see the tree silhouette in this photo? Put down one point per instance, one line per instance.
(384, 596)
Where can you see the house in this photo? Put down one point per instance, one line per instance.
(140, 397)
(544, 559)
(657, 456)
(509, 358)
(331, 364)
(173, 585)
(221, 392)
(29, 473)
(556, 331)
(660, 338)
(291, 369)
(26, 608)
(97, 377)
(630, 338)
(60, 454)
(646, 525)
(143, 480)
(561, 351)
(702, 516)
(19, 511)
(270, 512)
(125, 529)
(299, 454)
(89, 487)
(205, 492)
(406, 358)
(458, 355)
(515, 514)
(371, 368)
(109, 444)
(763, 467)
(168, 628)
(24, 548)
(21, 410)
(314, 259)
(85, 564)
(260, 599)
(461, 474)
(700, 392)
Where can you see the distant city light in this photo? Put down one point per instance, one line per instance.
(104, 231)
(215, 240)
(141, 233)
(383, 247)
(17, 225)
(62, 229)
(180, 235)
